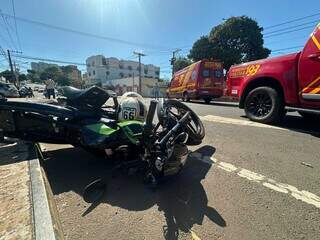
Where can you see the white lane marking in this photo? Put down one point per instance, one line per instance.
(227, 166)
(274, 187)
(218, 119)
(304, 196)
(244, 173)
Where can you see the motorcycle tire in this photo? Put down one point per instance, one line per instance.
(195, 137)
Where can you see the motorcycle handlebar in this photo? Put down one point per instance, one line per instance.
(151, 112)
(174, 129)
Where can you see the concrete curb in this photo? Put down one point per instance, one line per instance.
(43, 226)
(46, 220)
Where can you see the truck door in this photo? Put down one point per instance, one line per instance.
(309, 70)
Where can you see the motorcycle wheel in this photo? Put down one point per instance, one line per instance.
(176, 110)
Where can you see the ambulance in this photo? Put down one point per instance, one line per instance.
(201, 80)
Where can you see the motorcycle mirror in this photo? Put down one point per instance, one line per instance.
(94, 191)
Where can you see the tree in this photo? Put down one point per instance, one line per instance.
(7, 75)
(50, 72)
(180, 63)
(22, 77)
(201, 49)
(33, 76)
(62, 80)
(238, 39)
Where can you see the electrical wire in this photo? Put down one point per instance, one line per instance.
(279, 34)
(287, 28)
(15, 24)
(7, 29)
(288, 48)
(291, 21)
(111, 39)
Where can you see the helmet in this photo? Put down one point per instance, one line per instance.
(132, 107)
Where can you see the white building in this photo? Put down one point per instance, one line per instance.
(129, 84)
(102, 70)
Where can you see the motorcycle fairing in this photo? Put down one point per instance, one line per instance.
(101, 134)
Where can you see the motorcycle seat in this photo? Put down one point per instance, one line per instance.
(93, 97)
(72, 92)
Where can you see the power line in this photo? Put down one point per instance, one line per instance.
(15, 24)
(85, 33)
(291, 21)
(287, 28)
(5, 40)
(288, 48)
(48, 60)
(7, 29)
(278, 34)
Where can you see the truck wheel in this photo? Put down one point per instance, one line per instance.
(185, 97)
(264, 105)
(207, 100)
(310, 116)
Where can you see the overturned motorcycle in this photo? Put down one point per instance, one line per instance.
(123, 133)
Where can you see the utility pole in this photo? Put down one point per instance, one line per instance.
(13, 73)
(139, 56)
(11, 67)
(173, 59)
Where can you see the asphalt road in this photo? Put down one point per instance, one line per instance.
(246, 181)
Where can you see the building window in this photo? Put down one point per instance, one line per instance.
(93, 72)
(104, 61)
(121, 75)
(89, 74)
(88, 65)
(92, 63)
(145, 71)
(157, 72)
(130, 75)
(130, 68)
(120, 66)
(107, 73)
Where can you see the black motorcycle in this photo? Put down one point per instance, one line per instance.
(158, 149)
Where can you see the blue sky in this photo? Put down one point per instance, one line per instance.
(158, 25)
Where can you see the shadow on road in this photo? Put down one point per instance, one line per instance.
(217, 103)
(299, 124)
(183, 199)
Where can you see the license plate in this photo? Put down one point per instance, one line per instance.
(128, 113)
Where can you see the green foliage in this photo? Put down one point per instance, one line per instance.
(7, 75)
(238, 39)
(201, 49)
(33, 76)
(180, 63)
(22, 77)
(62, 80)
(60, 76)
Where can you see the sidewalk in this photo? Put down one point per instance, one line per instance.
(26, 210)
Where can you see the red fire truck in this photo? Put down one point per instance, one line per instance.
(200, 80)
(267, 88)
